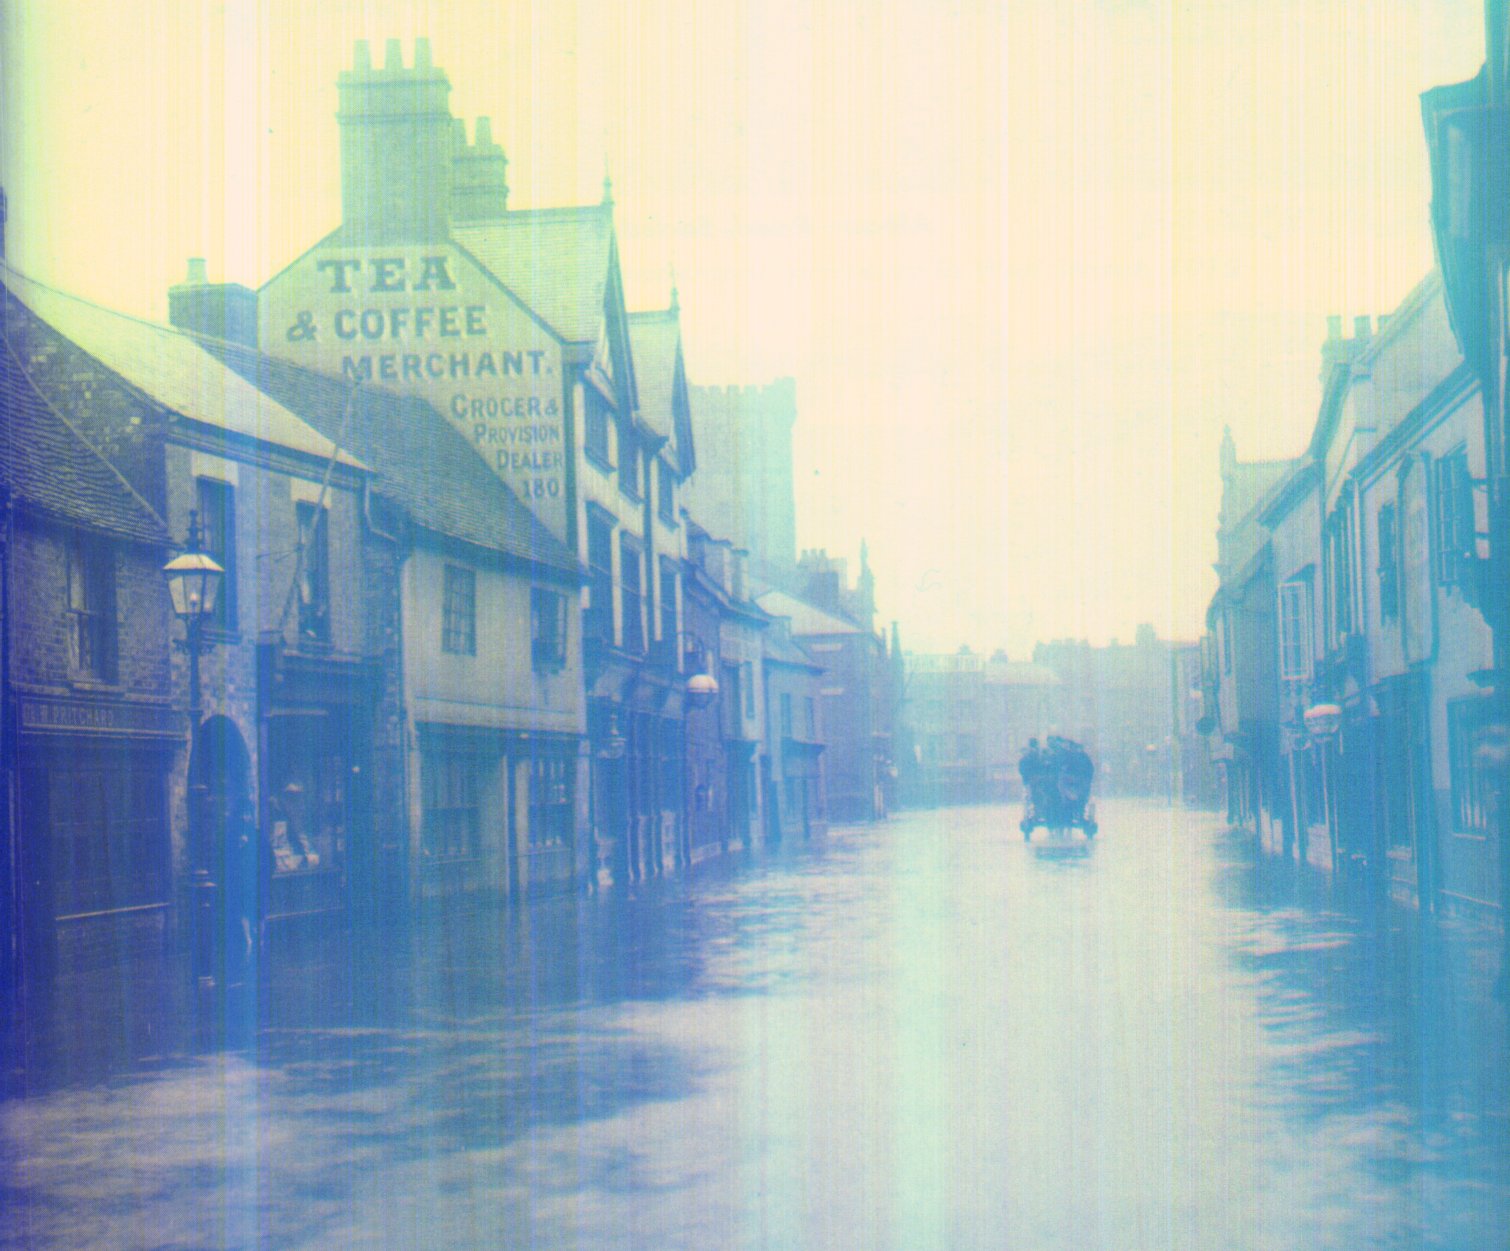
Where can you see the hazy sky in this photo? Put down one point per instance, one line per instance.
(1025, 260)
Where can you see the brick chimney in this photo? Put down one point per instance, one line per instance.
(397, 144)
(479, 182)
(219, 310)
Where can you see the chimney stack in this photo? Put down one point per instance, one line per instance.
(396, 148)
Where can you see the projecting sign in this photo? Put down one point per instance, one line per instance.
(428, 322)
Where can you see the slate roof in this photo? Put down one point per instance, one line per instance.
(46, 463)
(424, 464)
(556, 260)
(655, 339)
(781, 648)
(170, 367)
(806, 619)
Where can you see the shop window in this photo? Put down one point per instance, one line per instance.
(747, 689)
(217, 517)
(791, 803)
(547, 628)
(550, 807)
(452, 818)
(631, 588)
(810, 717)
(665, 493)
(307, 807)
(91, 608)
(1468, 726)
(314, 573)
(458, 621)
(109, 836)
(595, 429)
(1295, 630)
(600, 575)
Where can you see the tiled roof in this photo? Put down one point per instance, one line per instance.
(654, 339)
(44, 462)
(556, 260)
(425, 465)
(170, 368)
(806, 619)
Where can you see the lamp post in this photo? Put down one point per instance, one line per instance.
(701, 692)
(194, 578)
(1322, 721)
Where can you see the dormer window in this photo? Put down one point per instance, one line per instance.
(595, 429)
(629, 461)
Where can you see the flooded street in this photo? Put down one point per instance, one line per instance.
(924, 1033)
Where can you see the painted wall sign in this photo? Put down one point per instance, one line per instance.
(428, 322)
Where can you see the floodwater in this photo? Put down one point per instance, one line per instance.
(920, 1034)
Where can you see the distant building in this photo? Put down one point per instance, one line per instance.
(743, 487)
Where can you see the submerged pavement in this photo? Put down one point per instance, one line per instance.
(920, 1034)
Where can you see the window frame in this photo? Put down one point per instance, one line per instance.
(313, 522)
(665, 493)
(1387, 535)
(458, 610)
(547, 647)
(631, 594)
(217, 525)
(93, 632)
(1296, 630)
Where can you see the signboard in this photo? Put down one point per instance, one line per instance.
(80, 716)
(426, 321)
(1417, 590)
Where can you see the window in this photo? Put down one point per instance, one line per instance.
(668, 601)
(91, 607)
(1452, 507)
(458, 620)
(314, 573)
(809, 717)
(629, 462)
(631, 584)
(1339, 555)
(665, 493)
(109, 844)
(1295, 631)
(747, 688)
(1468, 727)
(547, 628)
(599, 620)
(550, 801)
(1389, 564)
(595, 429)
(217, 517)
(786, 714)
(452, 807)
(1224, 628)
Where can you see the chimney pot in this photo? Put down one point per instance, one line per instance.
(1334, 327)
(362, 59)
(1362, 327)
(484, 132)
(393, 56)
(422, 53)
(197, 275)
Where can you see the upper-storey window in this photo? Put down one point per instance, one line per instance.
(1389, 563)
(91, 607)
(629, 461)
(1452, 506)
(1295, 630)
(217, 516)
(631, 584)
(1339, 567)
(595, 429)
(668, 599)
(599, 619)
(458, 622)
(314, 573)
(665, 493)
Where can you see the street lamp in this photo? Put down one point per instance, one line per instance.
(1322, 721)
(194, 578)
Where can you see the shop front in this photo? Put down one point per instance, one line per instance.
(316, 759)
(95, 850)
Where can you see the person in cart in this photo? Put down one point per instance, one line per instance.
(1058, 784)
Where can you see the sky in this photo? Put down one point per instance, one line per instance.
(1025, 260)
